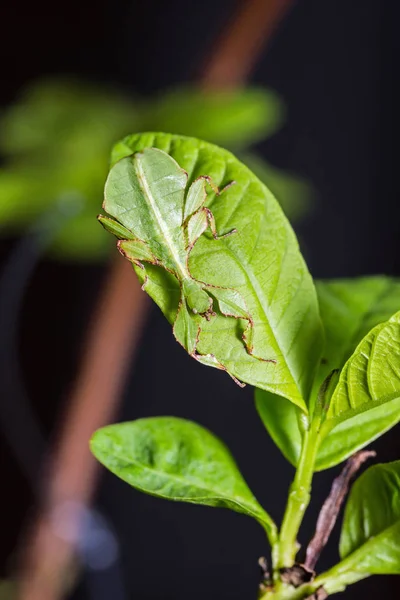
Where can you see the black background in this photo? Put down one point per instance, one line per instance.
(335, 63)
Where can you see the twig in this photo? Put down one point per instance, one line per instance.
(242, 41)
(113, 335)
(331, 507)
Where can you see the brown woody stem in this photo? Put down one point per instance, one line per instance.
(331, 507)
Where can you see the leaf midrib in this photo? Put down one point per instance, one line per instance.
(159, 219)
(181, 480)
(343, 416)
(363, 549)
(251, 278)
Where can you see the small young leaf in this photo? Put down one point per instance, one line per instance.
(370, 538)
(354, 433)
(371, 376)
(277, 344)
(179, 460)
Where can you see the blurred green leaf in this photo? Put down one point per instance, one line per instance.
(66, 117)
(8, 590)
(56, 138)
(233, 118)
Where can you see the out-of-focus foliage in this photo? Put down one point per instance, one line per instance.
(236, 118)
(55, 142)
(8, 590)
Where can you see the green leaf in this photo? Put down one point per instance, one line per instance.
(356, 432)
(233, 118)
(370, 538)
(349, 309)
(178, 460)
(366, 400)
(371, 376)
(261, 262)
(56, 140)
(8, 589)
(280, 419)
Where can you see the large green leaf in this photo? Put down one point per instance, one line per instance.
(370, 538)
(349, 309)
(280, 419)
(179, 460)
(261, 262)
(293, 194)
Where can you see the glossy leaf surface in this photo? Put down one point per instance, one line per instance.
(279, 417)
(261, 262)
(349, 309)
(371, 376)
(178, 460)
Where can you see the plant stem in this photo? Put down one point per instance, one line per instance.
(286, 592)
(331, 507)
(335, 580)
(298, 499)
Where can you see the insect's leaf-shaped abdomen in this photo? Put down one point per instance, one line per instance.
(145, 193)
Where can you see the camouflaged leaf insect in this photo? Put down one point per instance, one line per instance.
(158, 221)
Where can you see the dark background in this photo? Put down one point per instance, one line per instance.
(335, 64)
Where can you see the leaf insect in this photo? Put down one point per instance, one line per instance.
(158, 221)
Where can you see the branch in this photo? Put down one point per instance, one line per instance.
(72, 472)
(242, 42)
(331, 507)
